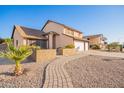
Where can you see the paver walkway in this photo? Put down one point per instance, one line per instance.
(56, 76)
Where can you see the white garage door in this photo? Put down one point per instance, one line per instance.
(79, 45)
(86, 46)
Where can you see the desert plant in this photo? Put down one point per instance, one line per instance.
(94, 46)
(70, 46)
(16, 54)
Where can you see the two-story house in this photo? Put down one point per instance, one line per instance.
(53, 35)
(98, 39)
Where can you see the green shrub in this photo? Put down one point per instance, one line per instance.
(115, 46)
(70, 46)
(121, 48)
(95, 46)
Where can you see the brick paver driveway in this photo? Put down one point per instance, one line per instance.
(57, 76)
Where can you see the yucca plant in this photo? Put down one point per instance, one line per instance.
(16, 54)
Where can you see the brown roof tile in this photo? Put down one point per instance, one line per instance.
(30, 33)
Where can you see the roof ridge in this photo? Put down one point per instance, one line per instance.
(62, 25)
(93, 35)
(27, 27)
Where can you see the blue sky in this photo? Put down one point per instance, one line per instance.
(108, 20)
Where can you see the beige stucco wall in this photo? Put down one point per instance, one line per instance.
(53, 27)
(61, 40)
(56, 28)
(17, 36)
(65, 40)
(50, 41)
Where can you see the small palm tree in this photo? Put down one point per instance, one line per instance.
(16, 54)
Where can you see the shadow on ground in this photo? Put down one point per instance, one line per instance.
(112, 59)
(4, 61)
(7, 73)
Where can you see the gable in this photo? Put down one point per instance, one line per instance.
(51, 26)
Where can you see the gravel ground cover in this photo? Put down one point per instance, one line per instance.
(32, 78)
(96, 71)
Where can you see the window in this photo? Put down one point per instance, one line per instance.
(16, 43)
(76, 34)
(68, 32)
(80, 35)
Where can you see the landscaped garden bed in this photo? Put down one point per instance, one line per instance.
(33, 76)
(14, 74)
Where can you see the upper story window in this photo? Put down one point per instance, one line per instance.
(73, 33)
(68, 32)
(76, 34)
(81, 35)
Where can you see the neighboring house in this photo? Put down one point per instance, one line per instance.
(53, 35)
(98, 39)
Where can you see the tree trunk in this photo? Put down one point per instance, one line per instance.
(18, 69)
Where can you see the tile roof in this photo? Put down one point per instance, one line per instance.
(30, 32)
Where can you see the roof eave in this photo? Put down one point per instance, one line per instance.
(27, 37)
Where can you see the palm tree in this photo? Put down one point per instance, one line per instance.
(16, 54)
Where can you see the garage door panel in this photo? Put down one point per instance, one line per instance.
(79, 45)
